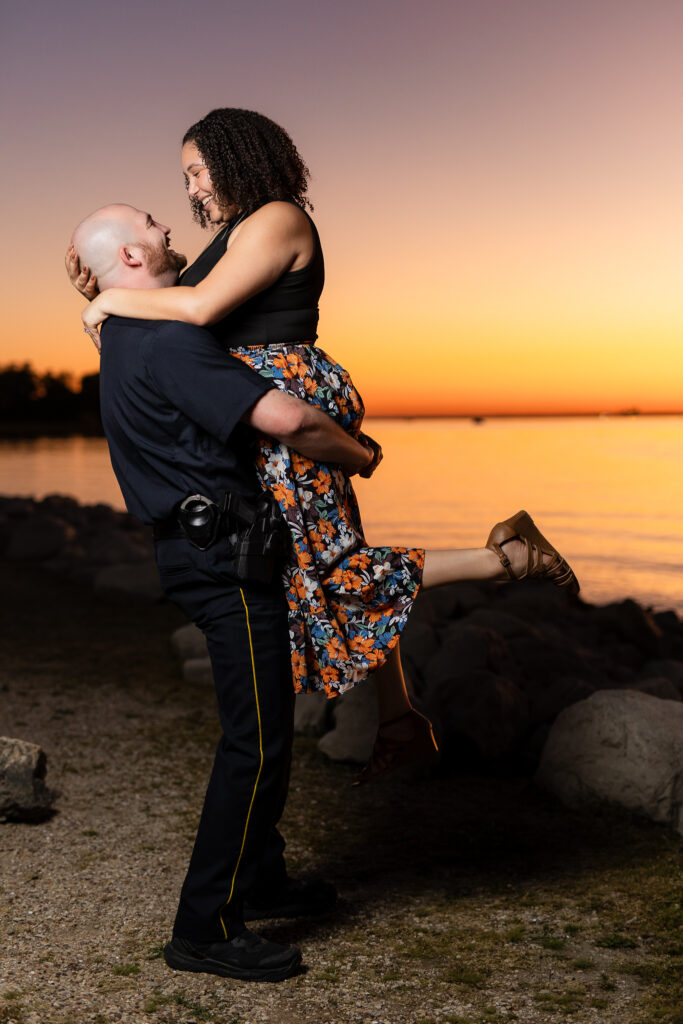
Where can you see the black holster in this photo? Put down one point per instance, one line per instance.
(254, 527)
(257, 534)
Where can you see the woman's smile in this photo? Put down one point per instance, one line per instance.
(199, 186)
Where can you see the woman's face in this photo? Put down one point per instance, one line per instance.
(199, 185)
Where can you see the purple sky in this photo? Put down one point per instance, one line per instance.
(486, 174)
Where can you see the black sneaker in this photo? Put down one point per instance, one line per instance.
(247, 956)
(294, 899)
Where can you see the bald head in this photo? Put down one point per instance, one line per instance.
(125, 247)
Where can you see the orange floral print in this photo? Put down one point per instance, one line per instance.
(348, 602)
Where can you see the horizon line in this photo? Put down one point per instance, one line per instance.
(607, 413)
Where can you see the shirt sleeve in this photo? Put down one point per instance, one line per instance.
(198, 377)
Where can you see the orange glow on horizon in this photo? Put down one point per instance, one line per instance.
(502, 243)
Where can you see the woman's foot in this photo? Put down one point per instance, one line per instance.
(399, 741)
(528, 554)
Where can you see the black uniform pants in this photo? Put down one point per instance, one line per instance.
(238, 847)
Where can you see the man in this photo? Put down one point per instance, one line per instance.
(175, 410)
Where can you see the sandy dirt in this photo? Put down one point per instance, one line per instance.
(462, 899)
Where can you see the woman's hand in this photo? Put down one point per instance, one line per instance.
(92, 316)
(80, 277)
(376, 450)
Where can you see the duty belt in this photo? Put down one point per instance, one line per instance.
(256, 532)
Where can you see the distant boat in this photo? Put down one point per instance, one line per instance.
(477, 419)
(629, 412)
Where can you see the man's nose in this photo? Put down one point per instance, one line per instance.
(162, 227)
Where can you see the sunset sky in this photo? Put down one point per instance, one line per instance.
(498, 183)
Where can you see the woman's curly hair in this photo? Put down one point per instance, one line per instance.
(250, 159)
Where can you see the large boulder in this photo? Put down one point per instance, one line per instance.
(547, 697)
(465, 648)
(122, 584)
(666, 668)
(658, 686)
(628, 623)
(189, 642)
(198, 671)
(419, 642)
(355, 725)
(37, 538)
(23, 793)
(478, 715)
(311, 711)
(114, 546)
(622, 747)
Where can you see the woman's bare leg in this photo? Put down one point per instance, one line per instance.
(453, 565)
(390, 686)
(441, 566)
(404, 735)
(408, 733)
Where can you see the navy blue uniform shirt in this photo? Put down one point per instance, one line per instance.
(171, 401)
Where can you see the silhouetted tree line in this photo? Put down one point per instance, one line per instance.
(47, 403)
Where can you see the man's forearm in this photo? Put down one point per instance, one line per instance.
(308, 430)
(320, 438)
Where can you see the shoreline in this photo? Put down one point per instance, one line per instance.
(23, 430)
(491, 666)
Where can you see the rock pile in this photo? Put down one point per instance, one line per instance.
(93, 544)
(493, 666)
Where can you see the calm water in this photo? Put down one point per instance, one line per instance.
(608, 491)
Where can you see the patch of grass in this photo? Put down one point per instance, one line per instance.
(515, 934)
(567, 1002)
(156, 952)
(431, 946)
(582, 963)
(198, 1010)
(599, 1004)
(663, 996)
(462, 974)
(11, 993)
(89, 832)
(615, 940)
(553, 942)
(154, 1003)
(606, 983)
(125, 970)
(330, 974)
(651, 973)
(572, 929)
(12, 1014)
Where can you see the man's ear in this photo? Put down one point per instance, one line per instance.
(128, 256)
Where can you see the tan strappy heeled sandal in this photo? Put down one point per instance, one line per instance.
(522, 527)
(389, 752)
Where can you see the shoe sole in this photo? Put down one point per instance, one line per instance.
(178, 962)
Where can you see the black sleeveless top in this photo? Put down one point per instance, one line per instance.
(284, 313)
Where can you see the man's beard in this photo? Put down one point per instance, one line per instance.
(161, 260)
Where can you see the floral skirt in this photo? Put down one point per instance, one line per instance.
(347, 602)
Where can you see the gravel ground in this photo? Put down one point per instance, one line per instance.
(462, 900)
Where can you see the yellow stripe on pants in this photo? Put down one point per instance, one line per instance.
(258, 775)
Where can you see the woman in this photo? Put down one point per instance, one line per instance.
(256, 287)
